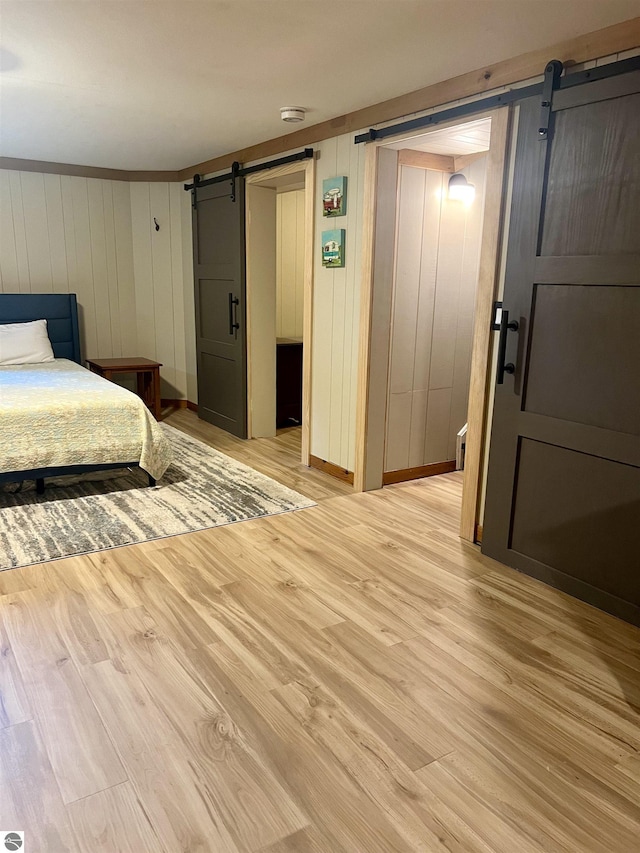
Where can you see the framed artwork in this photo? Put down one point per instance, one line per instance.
(334, 196)
(333, 248)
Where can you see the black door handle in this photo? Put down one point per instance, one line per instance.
(505, 325)
(233, 325)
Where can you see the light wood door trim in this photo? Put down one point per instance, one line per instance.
(426, 160)
(366, 301)
(374, 320)
(308, 167)
(307, 320)
(487, 282)
(260, 203)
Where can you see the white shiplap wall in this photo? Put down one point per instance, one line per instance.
(290, 264)
(95, 238)
(162, 265)
(436, 272)
(61, 234)
(336, 311)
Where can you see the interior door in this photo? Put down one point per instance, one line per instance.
(220, 291)
(563, 491)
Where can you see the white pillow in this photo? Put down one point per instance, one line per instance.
(25, 343)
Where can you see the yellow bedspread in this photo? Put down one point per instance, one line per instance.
(59, 413)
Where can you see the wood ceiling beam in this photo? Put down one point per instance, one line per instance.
(463, 160)
(426, 160)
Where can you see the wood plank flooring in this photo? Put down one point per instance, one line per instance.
(277, 457)
(350, 678)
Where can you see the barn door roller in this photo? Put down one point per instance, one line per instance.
(235, 168)
(552, 74)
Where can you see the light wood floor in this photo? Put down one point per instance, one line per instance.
(277, 457)
(349, 678)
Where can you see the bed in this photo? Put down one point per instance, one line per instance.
(59, 418)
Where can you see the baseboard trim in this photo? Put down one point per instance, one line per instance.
(404, 474)
(330, 468)
(168, 402)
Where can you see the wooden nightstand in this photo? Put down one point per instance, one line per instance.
(147, 376)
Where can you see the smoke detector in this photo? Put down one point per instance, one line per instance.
(292, 113)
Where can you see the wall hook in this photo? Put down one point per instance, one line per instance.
(155, 222)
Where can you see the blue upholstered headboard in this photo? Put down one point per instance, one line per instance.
(60, 310)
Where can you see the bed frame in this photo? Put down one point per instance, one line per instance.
(60, 310)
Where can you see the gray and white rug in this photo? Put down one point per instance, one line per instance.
(202, 488)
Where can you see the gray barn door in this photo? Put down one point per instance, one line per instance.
(563, 492)
(219, 274)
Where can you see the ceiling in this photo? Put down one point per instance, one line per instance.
(470, 137)
(165, 85)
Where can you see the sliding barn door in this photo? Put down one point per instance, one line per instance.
(563, 493)
(219, 274)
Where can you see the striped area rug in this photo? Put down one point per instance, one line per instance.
(202, 488)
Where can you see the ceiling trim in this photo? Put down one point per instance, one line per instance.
(610, 40)
(105, 174)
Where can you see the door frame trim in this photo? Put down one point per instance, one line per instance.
(490, 258)
(481, 366)
(308, 168)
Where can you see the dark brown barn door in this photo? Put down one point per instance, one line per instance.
(219, 274)
(563, 493)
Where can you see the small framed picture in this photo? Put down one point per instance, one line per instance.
(334, 196)
(333, 248)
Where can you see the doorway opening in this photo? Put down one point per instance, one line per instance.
(429, 287)
(439, 218)
(279, 275)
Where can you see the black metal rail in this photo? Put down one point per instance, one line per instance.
(576, 79)
(238, 171)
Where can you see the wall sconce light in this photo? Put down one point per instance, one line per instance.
(460, 189)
